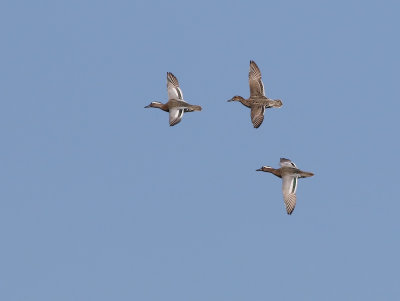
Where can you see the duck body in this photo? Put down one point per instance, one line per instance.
(176, 105)
(289, 173)
(265, 101)
(280, 172)
(257, 101)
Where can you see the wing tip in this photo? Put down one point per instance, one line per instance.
(289, 210)
(290, 203)
(257, 123)
(172, 79)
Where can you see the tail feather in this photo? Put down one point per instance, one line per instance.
(274, 103)
(195, 108)
(306, 174)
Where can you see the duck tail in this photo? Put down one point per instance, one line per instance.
(195, 108)
(276, 103)
(306, 174)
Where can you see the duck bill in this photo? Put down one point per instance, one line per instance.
(147, 106)
(260, 169)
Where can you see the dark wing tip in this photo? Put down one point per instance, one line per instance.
(172, 79)
(253, 63)
(257, 123)
(290, 209)
(174, 122)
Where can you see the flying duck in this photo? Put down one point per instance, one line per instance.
(290, 175)
(257, 101)
(176, 105)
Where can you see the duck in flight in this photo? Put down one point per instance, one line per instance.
(257, 101)
(176, 105)
(290, 175)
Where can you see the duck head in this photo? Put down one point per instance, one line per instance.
(265, 168)
(236, 98)
(154, 104)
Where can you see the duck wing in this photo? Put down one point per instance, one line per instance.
(174, 92)
(287, 163)
(257, 115)
(289, 187)
(175, 116)
(255, 81)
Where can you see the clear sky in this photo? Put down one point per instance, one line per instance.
(102, 200)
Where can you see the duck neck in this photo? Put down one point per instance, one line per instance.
(245, 102)
(159, 105)
(276, 172)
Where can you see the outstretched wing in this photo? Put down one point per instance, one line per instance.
(289, 186)
(287, 163)
(174, 92)
(175, 116)
(257, 115)
(255, 81)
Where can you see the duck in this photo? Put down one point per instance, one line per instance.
(176, 105)
(289, 173)
(257, 101)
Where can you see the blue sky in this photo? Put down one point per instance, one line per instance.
(102, 200)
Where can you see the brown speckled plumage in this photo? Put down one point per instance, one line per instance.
(257, 101)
